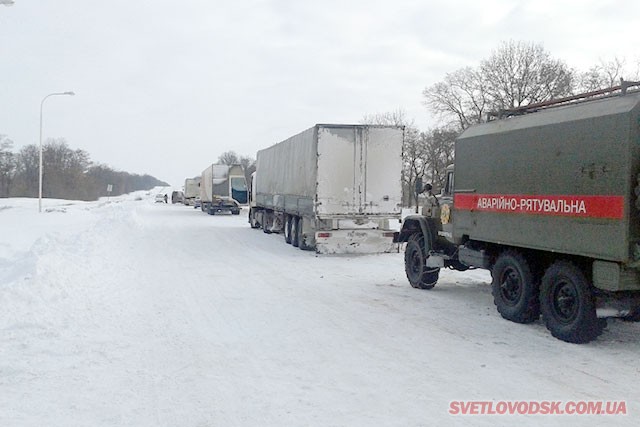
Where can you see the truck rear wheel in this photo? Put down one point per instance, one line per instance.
(567, 304)
(415, 258)
(267, 221)
(305, 241)
(515, 292)
(252, 219)
(287, 228)
(295, 231)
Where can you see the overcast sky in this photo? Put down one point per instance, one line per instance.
(164, 87)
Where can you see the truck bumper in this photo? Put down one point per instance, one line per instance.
(355, 241)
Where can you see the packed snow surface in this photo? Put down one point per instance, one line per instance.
(133, 313)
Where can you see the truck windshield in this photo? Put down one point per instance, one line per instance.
(238, 184)
(239, 190)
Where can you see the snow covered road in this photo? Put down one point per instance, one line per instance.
(132, 313)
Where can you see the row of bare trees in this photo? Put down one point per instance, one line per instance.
(515, 74)
(67, 173)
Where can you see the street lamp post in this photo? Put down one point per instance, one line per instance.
(40, 169)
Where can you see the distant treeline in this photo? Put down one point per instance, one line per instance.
(67, 173)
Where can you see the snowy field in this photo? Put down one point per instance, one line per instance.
(132, 313)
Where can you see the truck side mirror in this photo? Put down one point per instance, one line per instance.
(420, 188)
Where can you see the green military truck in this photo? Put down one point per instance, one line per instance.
(547, 198)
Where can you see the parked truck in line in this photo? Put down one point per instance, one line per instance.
(177, 197)
(331, 188)
(223, 189)
(548, 199)
(191, 190)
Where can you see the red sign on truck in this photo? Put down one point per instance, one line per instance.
(608, 207)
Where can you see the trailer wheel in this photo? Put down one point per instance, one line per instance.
(287, 228)
(267, 221)
(415, 258)
(295, 231)
(567, 304)
(515, 292)
(252, 219)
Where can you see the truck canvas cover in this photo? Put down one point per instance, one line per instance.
(334, 171)
(563, 179)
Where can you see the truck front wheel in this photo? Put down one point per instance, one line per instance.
(415, 257)
(515, 292)
(567, 304)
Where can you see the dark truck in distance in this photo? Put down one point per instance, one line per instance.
(547, 198)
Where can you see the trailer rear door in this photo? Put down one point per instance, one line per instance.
(359, 170)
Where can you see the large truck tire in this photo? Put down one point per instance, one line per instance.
(295, 231)
(287, 228)
(415, 258)
(253, 222)
(514, 288)
(267, 221)
(302, 239)
(568, 305)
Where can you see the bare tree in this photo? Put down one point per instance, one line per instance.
(608, 74)
(248, 165)
(439, 151)
(25, 183)
(520, 73)
(63, 169)
(605, 74)
(516, 74)
(7, 165)
(232, 158)
(462, 95)
(391, 118)
(229, 158)
(414, 164)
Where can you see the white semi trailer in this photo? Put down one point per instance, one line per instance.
(331, 188)
(191, 190)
